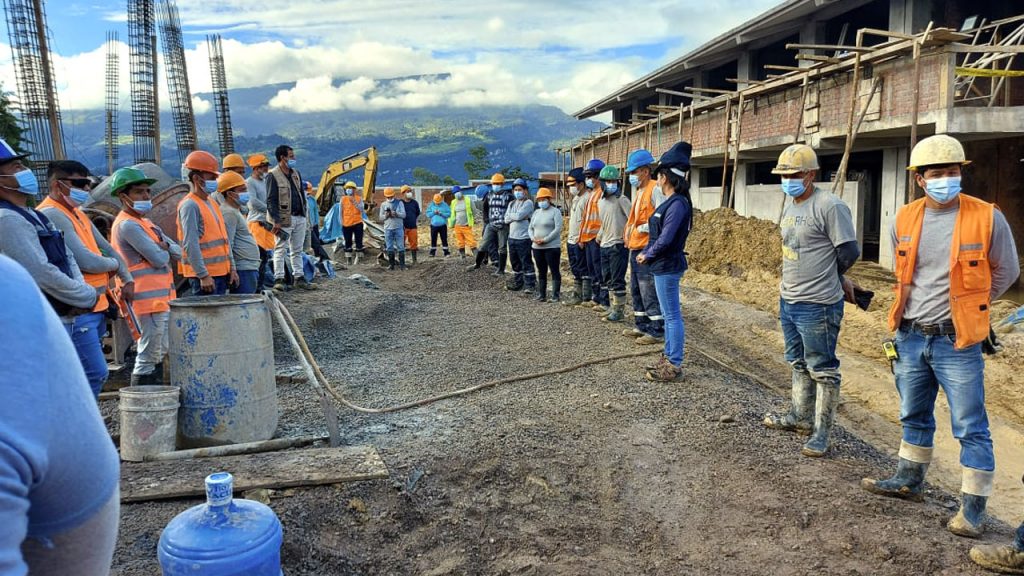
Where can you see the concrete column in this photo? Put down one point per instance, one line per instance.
(909, 16)
(742, 200)
(894, 186)
(745, 67)
(813, 33)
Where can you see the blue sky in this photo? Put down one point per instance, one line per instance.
(565, 54)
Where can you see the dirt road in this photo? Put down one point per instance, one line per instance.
(592, 472)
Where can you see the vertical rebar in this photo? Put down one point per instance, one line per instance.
(177, 78)
(141, 41)
(113, 100)
(225, 137)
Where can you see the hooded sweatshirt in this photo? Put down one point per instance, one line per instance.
(518, 218)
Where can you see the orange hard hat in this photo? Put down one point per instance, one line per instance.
(437, 198)
(202, 161)
(498, 178)
(257, 160)
(544, 193)
(233, 161)
(389, 192)
(229, 180)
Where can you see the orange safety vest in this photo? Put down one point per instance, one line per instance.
(350, 213)
(83, 228)
(154, 287)
(970, 276)
(591, 223)
(643, 208)
(213, 244)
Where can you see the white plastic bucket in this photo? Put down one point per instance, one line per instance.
(149, 421)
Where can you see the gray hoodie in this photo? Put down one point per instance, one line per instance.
(518, 218)
(397, 219)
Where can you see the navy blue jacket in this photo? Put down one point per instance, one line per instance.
(669, 226)
(412, 213)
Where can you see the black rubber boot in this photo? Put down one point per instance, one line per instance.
(616, 313)
(969, 522)
(136, 380)
(391, 260)
(432, 252)
(577, 294)
(824, 419)
(542, 290)
(907, 483)
(447, 252)
(800, 418)
(414, 253)
(462, 253)
(401, 259)
(587, 293)
(502, 260)
(556, 289)
(481, 257)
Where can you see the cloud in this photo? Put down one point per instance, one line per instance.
(201, 106)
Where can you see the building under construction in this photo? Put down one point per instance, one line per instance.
(859, 80)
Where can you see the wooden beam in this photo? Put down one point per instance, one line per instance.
(786, 68)
(816, 58)
(146, 481)
(986, 49)
(711, 90)
(828, 47)
(738, 81)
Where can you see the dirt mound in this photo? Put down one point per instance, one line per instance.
(723, 242)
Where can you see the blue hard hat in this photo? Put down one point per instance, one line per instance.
(482, 190)
(8, 154)
(638, 159)
(576, 174)
(520, 182)
(456, 188)
(593, 168)
(678, 156)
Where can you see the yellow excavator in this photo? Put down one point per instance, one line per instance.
(327, 194)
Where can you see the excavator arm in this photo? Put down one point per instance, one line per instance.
(367, 160)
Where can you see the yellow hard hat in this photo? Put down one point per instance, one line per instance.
(233, 161)
(229, 180)
(256, 160)
(937, 150)
(498, 178)
(406, 188)
(796, 158)
(544, 193)
(350, 184)
(389, 192)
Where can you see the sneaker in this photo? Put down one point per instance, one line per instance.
(647, 340)
(666, 373)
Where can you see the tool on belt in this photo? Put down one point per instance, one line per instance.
(126, 312)
(889, 347)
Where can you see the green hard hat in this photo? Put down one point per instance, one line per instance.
(609, 173)
(124, 177)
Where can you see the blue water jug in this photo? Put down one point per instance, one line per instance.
(223, 537)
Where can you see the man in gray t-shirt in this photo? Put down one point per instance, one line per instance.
(954, 255)
(819, 244)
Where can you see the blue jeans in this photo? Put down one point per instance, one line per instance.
(667, 287)
(927, 362)
(811, 332)
(247, 282)
(220, 286)
(86, 333)
(394, 240)
(646, 311)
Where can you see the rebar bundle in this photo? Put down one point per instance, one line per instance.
(177, 78)
(225, 137)
(113, 99)
(142, 45)
(37, 90)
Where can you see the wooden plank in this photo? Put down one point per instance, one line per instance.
(146, 481)
(986, 49)
(828, 47)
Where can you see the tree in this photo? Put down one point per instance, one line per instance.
(424, 177)
(10, 129)
(513, 172)
(449, 181)
(478, 165)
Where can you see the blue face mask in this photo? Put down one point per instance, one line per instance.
(793, 186)
(611, 188)
(589, 183)
(27, 182)
(519, 194)
(292, 162)
(78, 196)
(142, 206)
(943, 190)
(348, 191)
(458, 195)
(634, 180)
(543, 204)
(210, 186)
(496, 188)
(243, 198)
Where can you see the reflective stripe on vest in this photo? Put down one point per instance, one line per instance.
(970, 276)
(154, 288)
(350, 212)
(639, 214)
(591, 223)
(83, 228)
(213, 244)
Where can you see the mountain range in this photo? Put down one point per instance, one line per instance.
(437, 139)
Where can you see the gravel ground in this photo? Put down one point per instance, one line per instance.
(595, 471)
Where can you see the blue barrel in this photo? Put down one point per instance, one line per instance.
(223, 537)
(221, 350)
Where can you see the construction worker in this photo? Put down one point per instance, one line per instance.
(313, 219)
(495, 238)
(819, 244)
(148, 253)
(649, 323)
(286, 206)
(59, 471)
(69, 187)
(461, 222)
(954, 255)
(594, 294)
(245, 254)
(517, 217)
(666, 255)
(577, 260)
(412, 217)
(613, 208)
(545, 233)
(438, 212)
(352, 209)
(257, 220)
(234, 163)
(206, 260)
(392, 216)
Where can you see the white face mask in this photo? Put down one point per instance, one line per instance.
(408, 195)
